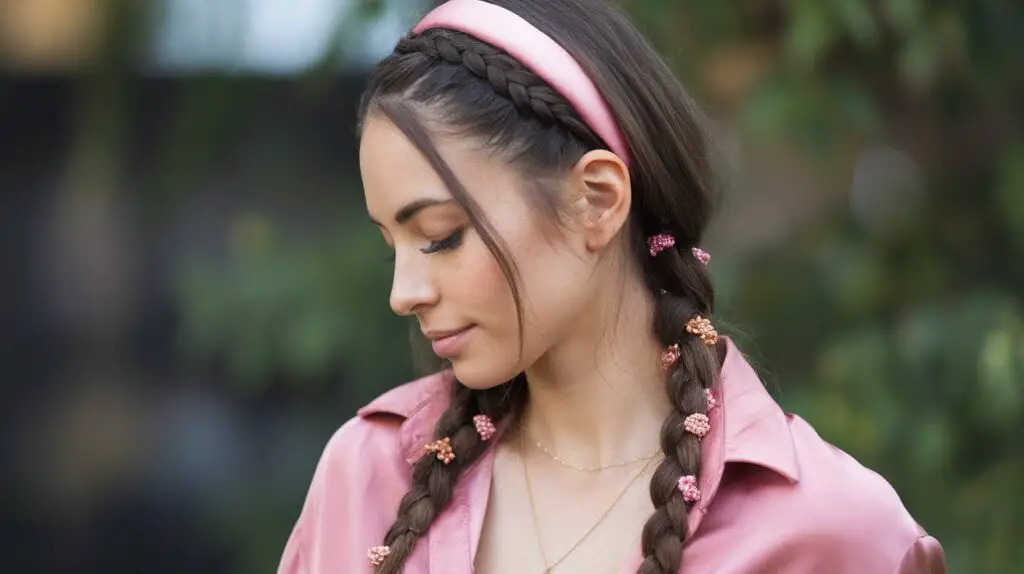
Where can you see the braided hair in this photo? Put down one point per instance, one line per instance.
(447, 78)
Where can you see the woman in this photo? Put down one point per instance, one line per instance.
(545, 184)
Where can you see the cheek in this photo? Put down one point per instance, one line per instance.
(479, 286)
(553, 289)
(475, 290)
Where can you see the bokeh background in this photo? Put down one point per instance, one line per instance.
(192, 298)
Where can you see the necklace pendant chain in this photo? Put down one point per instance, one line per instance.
(567, 464)
(549, 568)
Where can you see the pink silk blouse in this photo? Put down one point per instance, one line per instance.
(776, 496)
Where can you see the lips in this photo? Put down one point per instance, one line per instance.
(437, 335)
(447, 344)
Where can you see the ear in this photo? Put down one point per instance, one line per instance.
(602, 195)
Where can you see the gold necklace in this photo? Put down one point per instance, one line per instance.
(536, 523)
(568, 464)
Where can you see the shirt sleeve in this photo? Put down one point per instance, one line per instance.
(355, 489)
(924, 556)
(292, 560)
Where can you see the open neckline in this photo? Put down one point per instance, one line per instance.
(478, 480)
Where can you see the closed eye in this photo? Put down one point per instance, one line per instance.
(446, 244)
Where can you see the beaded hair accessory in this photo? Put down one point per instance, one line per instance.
(702, 328)
(688, 486)
(662, 241)
(443, 448)
(711, 400)
(377, 554)
(669, 357)
(484, 426)
(698, 424)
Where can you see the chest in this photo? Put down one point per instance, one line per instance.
(541, 516)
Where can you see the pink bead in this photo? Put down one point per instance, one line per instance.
(710, 396)
(377, 554)
(698, 424)
(660, 242)
(701, 255)
(484, 426)
(669, 357)
(688, 486)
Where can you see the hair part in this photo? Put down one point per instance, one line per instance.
(447, 78)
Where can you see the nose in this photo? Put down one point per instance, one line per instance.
(412, 287)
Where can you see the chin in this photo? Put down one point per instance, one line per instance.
(480, 375)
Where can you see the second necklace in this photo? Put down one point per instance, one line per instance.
(536, 522)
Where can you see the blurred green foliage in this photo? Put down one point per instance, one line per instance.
(902, 342)
(294, 310)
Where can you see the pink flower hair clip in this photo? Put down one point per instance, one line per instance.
(484, 426)
(669, 357)
(701, 255)
(377, 554)
(698, 424)
(688, 487)
(702, 328)
(443, 448)
(660, 242)
(711, 400)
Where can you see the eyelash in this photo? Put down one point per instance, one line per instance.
(446, 244)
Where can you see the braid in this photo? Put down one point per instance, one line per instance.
(688, 293)
(528, 91)
(433, 481)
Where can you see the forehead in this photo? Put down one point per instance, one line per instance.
(395, 172)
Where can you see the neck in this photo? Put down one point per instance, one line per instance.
(599, 397)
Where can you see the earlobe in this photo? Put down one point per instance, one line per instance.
(602, 180)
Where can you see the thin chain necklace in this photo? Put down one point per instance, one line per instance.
(568, 464)
(536, 523)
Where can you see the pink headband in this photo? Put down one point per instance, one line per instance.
(538, 52)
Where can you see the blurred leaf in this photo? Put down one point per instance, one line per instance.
(368, 9)
(811, 33)
(858, 21)
(1001, 389)
(903, 15)
(855, 278)
(766, 112)
(919, 60)
(1010, 192)
(932, 443)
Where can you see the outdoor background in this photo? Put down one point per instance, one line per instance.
(192, 299)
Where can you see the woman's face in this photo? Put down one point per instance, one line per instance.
(447, 278)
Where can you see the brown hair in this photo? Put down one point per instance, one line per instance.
(444, 77)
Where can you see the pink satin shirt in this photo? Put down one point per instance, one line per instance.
(776, 496)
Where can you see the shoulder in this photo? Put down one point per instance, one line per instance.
(850, 517)
(363, 473)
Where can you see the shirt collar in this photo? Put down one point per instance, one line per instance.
(755, 429)
(748, 426)
(420, 404)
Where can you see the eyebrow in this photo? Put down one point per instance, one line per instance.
(409, 210)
